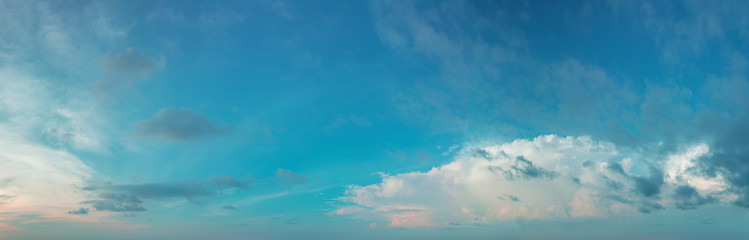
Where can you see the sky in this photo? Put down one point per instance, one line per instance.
(271, 119)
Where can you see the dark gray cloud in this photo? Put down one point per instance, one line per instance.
(117, 202)
(81, 211)
(284, 176)
(648, 207)
(523, 169)
(173, 124)
(615, 167)
(164, 190)
(620, 199)
(229, 207)
(649, 186)
(687, 198)
(130, 64)
(512, 198)
(730, 157)
(228, 181)
(124, 70)
(130, 197)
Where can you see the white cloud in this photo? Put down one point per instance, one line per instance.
(65, 118)
(37, 125)
(547, 177)
(38, 179)
(680, 170)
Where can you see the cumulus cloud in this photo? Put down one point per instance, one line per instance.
(172, 124)
(582, 178)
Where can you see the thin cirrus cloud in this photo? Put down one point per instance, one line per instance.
(37, 180)
(228, 181)
(179, 125)
(287, 177)
(494, 182)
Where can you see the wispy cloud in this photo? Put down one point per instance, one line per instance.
(228, 181)
(37, 179)
(288, 177)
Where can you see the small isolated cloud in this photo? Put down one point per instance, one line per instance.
(123, 71)
(130, 64)
(229, 207)
(228, 181)
(287, 177)
(81, 211)
(547, 177)
(181, 125)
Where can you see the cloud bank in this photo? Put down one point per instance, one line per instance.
(547, 177)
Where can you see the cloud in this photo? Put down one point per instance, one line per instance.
(288, 177)
(48, 115)
(727, 163)
(229, 207)
(181, 125)
(115, 202)
(688, 198)
(123, 71)
(65, 118)
(129, 198)
(130, 64)
(132, 197)
(38, 180)
(591, 179)
(228, 181)
(81, 211)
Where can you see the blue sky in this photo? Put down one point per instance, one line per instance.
(374, 119)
